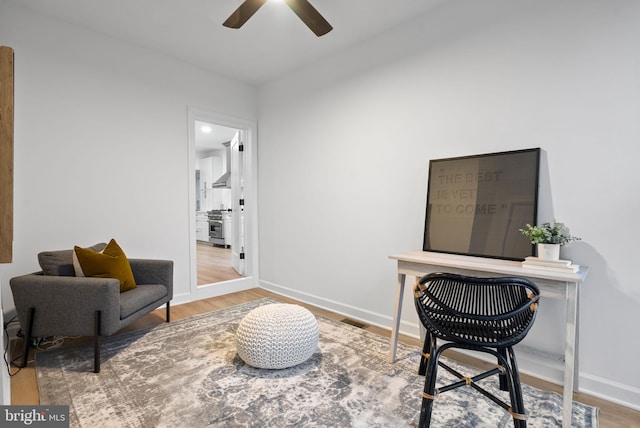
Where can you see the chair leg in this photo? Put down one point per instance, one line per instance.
(168, 317)
(512, 380)
(503, 377)
(428, 394)
(27, 338)
(517, 402)
(425, 351)
(96, 343)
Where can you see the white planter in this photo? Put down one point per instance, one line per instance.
(549, 251)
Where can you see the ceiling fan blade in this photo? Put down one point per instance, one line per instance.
(310, 16)
(243, 13)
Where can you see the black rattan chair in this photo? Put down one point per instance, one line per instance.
(488, 315)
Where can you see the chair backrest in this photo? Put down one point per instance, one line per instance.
(493, 312)
(60, 262)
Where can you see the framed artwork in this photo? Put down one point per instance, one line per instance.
(477, 204)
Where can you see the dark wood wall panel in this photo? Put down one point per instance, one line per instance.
(6, 154)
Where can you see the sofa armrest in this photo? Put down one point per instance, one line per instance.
(150, 271)
(64, 305)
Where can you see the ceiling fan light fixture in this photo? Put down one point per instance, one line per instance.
(242, 14)
(305, 11)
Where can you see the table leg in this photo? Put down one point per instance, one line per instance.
(395, 326)
(570, 353)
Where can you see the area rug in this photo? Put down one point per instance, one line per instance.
(187, 374)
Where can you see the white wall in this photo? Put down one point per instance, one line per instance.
(101, 143)
(343, 184)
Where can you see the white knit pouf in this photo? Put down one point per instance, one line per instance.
(277, 336)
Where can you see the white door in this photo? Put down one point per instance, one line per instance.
(238, 260)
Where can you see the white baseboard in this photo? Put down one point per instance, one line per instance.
(215, 290)
(179, 299)
(226, 287)
(624, 395)
(353, 312)
(549, 368)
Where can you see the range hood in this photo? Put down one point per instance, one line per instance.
(224, 182)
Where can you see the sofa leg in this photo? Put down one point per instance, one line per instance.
(96, 343)
(168, 312)
(27, 338)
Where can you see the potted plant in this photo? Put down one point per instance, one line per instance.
(548, 238)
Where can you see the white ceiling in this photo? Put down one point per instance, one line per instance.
(212, 140)
(272, 43)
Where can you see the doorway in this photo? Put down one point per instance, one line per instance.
(221, 204)
(214, 206)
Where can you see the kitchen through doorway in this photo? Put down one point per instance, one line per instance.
(218, 211)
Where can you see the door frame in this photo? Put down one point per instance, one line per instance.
(249, 128)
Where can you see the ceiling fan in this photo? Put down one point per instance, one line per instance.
(305, 11)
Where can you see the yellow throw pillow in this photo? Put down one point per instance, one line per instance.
(109, 263)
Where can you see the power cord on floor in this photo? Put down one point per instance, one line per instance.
(7, 353)
(45, 344)
(39, 343)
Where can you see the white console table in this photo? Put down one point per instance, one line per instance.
(554, 285)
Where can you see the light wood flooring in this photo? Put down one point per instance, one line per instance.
(214, 264)
(24, 389)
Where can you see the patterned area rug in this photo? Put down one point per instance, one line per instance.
(187, 373)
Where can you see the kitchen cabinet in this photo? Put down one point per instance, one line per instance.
(210, 170)
(226, 218)
(202, 227)
(206, 178)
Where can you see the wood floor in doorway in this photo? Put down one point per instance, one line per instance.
(214, 264)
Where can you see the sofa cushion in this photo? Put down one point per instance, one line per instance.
(111, 262)
(140, 297)
(60, 262)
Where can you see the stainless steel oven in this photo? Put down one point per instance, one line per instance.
(216, 227)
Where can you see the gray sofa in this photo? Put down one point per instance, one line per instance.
(54, 302)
